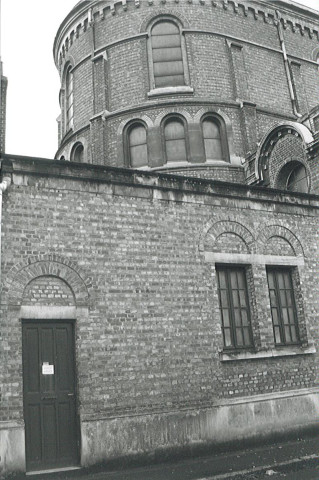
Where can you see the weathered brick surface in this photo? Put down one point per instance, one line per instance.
(152, 337)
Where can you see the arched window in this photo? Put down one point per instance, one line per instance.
(297, 180)
(137, 145)
(77, 154)
(212, 139)
(68, 99)
(175, 140)
(167, 55)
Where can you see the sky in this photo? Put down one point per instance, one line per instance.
(28, 28)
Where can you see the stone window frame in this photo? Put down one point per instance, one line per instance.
(166, 119)
(126, 143)
(223, 134)
(173, 90)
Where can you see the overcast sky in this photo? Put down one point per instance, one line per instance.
(28, 28)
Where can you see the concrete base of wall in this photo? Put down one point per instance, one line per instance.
(245, 419)
(259, 418)
(12, 448)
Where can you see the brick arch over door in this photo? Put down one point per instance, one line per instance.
(272, 231)
(22, 274)
(213, 230)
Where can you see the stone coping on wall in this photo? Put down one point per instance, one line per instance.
(148, 185)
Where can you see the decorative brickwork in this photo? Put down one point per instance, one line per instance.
(274, 232)
(211, 238)
(18, 286)
(48, 290)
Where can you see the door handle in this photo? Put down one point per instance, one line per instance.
(70, 394)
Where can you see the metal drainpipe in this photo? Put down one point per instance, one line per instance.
(6, 182)
(287, 67)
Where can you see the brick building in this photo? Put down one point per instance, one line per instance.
(158, 278)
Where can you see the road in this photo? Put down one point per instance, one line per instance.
(293, 460)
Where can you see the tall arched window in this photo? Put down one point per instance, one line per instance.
(167, 55)
(212, 139)
(68, 99)
(175, 140)
(137, 144)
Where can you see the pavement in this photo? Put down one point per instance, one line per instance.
(294, 460)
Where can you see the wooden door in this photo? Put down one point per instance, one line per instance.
(49, 395)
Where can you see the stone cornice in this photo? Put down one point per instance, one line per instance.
(151, 185)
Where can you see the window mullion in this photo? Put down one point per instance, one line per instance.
(280, 315)
(231, 309)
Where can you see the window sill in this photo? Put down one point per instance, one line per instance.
(275, 352)
(170, 91)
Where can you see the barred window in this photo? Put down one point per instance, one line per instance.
(167, 56)
(234, 307)
(175, 140)
(283, 307)
(137, 144)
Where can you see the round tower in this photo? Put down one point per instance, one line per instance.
(175, 85)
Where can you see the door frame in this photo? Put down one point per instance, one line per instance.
(72, 322)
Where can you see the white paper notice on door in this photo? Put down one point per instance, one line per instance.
(47, 369)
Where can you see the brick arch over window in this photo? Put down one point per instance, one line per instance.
(159, 12)
(215, 230)
(22, 274)
(277, 231)
(178, 111)
(270, 140)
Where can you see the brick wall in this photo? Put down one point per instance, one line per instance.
(152, 338)
(48, 290)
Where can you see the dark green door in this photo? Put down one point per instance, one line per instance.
(49, 395)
